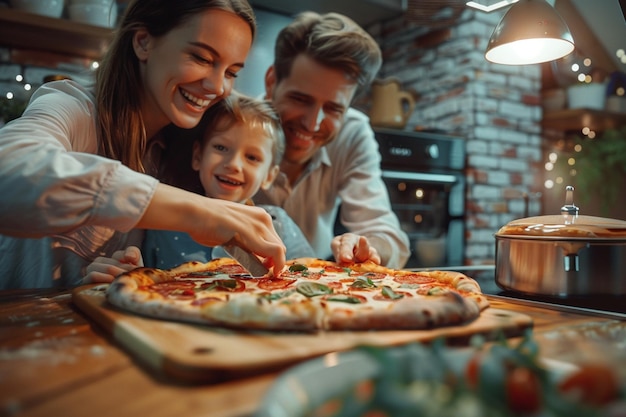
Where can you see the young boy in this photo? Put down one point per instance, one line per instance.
(239, 154)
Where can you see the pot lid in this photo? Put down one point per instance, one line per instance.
(567, 224)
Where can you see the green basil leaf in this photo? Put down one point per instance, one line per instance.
(219, 284)
(435, 291)
(297, 268)
(277, 295)
(227, 283)
(391, 294)
(343, 298)
(363, 282)
(312, 289)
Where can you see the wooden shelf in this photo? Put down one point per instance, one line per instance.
(30, 31)
(577, 119)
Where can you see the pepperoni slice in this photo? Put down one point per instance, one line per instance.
(179, 290)
(230, 270)
(335, 285)
(415, 278)
(273, 283)
(207, 300)
(171, 285)
(233, 270)
(313, 276)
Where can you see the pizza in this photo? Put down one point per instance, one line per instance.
(310, 294)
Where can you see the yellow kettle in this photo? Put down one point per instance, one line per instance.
(391, 106)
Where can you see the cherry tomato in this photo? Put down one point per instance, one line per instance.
(472, 370)
(364, 390)
(593, 384)
(523, 390)
(328, 409)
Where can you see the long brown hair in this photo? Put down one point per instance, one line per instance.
(119, 88)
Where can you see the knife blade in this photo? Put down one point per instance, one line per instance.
(247, 260)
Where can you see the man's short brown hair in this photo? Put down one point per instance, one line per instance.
(332, 40)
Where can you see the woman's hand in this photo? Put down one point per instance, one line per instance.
(353, 248)
(105, 269)
(248, 227)
(214, 222)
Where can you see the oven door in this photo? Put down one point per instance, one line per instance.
(430, 208)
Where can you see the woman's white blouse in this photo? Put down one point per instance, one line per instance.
(53, 185)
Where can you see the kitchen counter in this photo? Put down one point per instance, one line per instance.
(55, 361)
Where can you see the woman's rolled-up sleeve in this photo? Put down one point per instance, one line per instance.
(52, 181)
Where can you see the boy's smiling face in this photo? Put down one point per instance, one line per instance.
(233, 164)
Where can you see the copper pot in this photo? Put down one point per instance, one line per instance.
(562, 255)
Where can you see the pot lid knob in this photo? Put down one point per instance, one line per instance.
(569, 210)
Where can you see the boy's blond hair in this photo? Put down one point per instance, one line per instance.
(239, 108)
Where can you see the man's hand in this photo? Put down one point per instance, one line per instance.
(353, 248)
(105, 269)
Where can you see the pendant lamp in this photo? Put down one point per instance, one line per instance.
(530, 32)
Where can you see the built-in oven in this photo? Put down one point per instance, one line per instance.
(424, 174)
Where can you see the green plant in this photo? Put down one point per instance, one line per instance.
(601, 166)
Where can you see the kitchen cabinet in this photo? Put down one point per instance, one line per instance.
(577, 119)
(19, 29)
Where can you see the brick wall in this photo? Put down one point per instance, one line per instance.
(496, 108)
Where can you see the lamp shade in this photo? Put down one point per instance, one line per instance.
(530, 32)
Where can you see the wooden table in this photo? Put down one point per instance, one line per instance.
(55, 362)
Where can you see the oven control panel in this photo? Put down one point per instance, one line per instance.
(420, 151)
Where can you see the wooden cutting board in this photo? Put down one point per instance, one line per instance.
(196, 353)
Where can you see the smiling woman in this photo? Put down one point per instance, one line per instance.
(73, 170)
(197, 59)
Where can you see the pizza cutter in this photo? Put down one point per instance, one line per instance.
(248, 260)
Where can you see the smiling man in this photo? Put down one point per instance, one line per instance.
(331, 164)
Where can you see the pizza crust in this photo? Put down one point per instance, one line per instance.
(249, 312)
(219, 293)
(407, 314)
